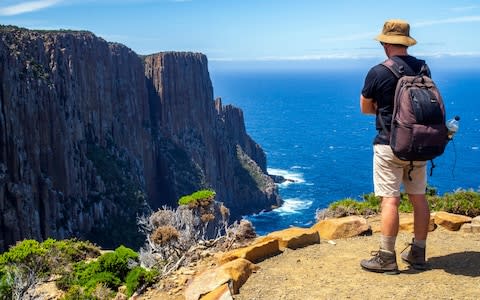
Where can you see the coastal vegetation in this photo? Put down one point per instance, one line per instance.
(464, 202)
(198, 198)
(79, 268)
(30, 262)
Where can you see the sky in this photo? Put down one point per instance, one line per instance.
(245, 31)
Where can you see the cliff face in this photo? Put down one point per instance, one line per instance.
(217, 150)
(91, 136)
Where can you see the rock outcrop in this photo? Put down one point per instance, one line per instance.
(451, 221)
(341, 227)
(92, 135)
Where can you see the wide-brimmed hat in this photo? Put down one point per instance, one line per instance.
(396, 32)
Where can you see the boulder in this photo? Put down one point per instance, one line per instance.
(470, 228)
(220, 293)
(341, 227)
(254, 253)
(476, 220)
(451, 221)
(406, 223)
(294, 237)
(234, 273)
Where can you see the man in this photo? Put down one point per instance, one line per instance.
(389, 172)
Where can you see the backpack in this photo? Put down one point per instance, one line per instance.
(418, 130)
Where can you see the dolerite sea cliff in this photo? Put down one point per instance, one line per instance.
(93, 135)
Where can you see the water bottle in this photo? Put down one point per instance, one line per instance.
(452, 126)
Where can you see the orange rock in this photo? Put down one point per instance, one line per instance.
(257, 252)
(220, 293)
(294, 237)
(234, 273)
(451, 221)
(406, 223)
(341, 227)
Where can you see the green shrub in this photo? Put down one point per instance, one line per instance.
(82, 272)
(5, 286)
(76, 293)
(369, 205)
(137, 277)
(28, 252)
(198, 198)
(461, 202)
(30, 261)
(117, 262)
(109, 271)
(107, 278)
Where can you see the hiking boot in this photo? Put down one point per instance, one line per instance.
(383, 261)
(415, 257)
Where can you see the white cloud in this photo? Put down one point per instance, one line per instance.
(26, 7)
(465, 8)
(351, 37)
(332, 56)
(465, 19)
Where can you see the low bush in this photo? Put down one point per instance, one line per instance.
(460, 202)
(30, 262)
(138, 277)
(108, 272)
(199, 198)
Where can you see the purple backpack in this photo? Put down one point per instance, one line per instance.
(418, 131)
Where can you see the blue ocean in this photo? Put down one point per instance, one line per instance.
(309, 124)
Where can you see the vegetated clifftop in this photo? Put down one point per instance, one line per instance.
(92, 135)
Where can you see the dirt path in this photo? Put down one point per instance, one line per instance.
(327, 271)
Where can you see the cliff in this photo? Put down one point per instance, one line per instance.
(92, 135)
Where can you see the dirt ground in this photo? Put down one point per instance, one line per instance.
(327, 271)
(332, 271)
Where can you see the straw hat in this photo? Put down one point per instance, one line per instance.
(396, 32)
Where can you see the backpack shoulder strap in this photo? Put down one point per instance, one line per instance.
(425, 70)
(399, 66)
(395, 68)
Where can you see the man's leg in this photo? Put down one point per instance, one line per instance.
(385, 259)
(389, 212)
(387, 178)
(389, 223)
(421, 215)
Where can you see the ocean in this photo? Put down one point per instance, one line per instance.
(309, 124)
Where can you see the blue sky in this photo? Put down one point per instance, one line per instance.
(259, 30)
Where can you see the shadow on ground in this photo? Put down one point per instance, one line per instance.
(462, 263)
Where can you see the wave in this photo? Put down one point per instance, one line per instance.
(293, 206)
(292, 177)
(290, 206)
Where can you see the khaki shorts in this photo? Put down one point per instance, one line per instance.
(389, 172)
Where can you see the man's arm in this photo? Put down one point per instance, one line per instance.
(367, 106)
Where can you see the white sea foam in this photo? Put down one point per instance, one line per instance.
(293, 206)
(290, 176)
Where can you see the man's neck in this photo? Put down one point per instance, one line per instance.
(397, 51)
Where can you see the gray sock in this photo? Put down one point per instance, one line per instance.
(420, 243)
(388, 243)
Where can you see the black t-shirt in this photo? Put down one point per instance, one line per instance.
(380, 84)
